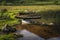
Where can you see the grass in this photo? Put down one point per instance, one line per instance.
(7, 37)
(9, 22)
(13, 10)
(32, 8)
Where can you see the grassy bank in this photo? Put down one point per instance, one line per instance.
(14, 10)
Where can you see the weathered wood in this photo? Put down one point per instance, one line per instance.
(28, 17)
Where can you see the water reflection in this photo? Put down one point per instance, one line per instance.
(31, 36)
(56, 38)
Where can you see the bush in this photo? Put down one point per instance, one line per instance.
(4, 10)
(10, 36)
(56, 2)
(7, 37)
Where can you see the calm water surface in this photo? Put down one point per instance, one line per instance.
(31, 36)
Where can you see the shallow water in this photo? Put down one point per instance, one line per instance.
(31, 36)
(56, 38)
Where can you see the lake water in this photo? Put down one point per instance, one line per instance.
(31, 36)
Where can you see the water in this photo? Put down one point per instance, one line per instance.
(55, 38)
(31, 36)
(25, 21)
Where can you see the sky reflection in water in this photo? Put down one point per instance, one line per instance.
(31, 36)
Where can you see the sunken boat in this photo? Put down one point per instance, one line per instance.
(28, 16)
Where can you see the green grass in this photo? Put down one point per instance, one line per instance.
(16, 9)
(9, 22)
(10, 19)
(7, 37)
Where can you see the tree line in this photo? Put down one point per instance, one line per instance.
(19, 2)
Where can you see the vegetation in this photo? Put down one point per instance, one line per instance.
(8, 13)
(7, 37)
(49, 14)
(7, 18)
(29, 2)
(10, 37)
